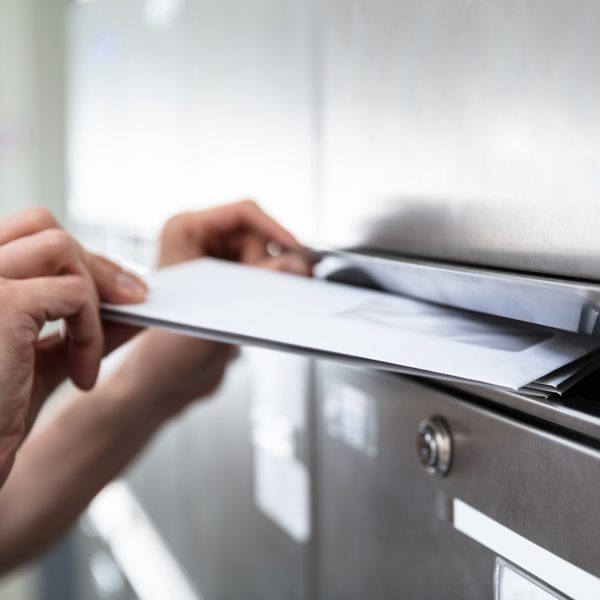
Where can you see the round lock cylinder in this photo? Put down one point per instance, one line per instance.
(434, 446)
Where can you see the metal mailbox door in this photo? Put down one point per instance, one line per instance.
(389, 528)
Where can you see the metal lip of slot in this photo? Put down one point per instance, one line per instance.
(546, 301)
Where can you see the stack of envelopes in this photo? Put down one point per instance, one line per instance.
(238, 304)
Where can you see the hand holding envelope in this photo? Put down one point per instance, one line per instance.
(236, 303)
(89, 441)
(163, 365)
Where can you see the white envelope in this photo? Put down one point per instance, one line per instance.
(234, 303)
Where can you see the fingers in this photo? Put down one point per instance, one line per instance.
(218, 231)
(253, 249)
(114, 283)
(52, 356)
(48, 252)
(26, 222)
(67, 297)
(35, 250)
(53, 252)
(247, 215)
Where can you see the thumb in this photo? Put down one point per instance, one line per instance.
(114, 283)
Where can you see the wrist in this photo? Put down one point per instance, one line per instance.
(133, 403)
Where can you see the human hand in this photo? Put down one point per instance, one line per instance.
(167, 371)
(45, 275)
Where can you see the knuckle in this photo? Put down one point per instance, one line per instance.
(79, 288)
(58, 241)
(42, 217)
(57, 238)
(75, 292)
(174, 224)
(249, 204)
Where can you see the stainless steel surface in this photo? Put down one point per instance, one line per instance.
(199, 490)
(385, 524)
(465, 131)
(578, 411)
(109, 582)
(434, 446)
(96, 575)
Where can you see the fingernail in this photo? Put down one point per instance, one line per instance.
(131, 286)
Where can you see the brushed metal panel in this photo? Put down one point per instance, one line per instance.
(386, 525)
(464, 130)
(197, 485)
(87, 548)
(578, 410)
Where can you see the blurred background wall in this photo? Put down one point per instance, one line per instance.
(32, 141)
(32, 107)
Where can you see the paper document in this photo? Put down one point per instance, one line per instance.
(234, 303)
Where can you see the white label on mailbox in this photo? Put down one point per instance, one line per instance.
(549, 568)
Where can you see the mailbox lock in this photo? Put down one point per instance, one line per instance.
(434, 446)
